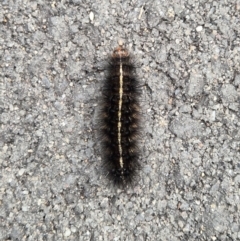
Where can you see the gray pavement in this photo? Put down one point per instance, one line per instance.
(53, 56)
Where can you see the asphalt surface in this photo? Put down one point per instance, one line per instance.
(53, 57)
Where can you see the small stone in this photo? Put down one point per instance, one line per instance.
(178, 41)
(39, 132)
(171, 13)
(199, 28)
(67, 232)
(237, 79)
(24, 208)
(74, 229)
(180, 224)
(21, 171)
(91, 16)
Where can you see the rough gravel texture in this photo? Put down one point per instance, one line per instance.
(52, 60)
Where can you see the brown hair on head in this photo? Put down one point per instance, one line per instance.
(120, 52)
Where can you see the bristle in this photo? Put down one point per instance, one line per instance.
(119, 123)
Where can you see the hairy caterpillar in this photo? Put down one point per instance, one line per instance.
(119, 119)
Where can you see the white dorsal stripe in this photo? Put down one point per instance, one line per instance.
(120, 114)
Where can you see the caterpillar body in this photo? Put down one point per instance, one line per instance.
(120, 119)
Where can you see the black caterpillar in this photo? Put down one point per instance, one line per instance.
(120, 119)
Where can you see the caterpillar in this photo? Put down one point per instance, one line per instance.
(119, 120)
